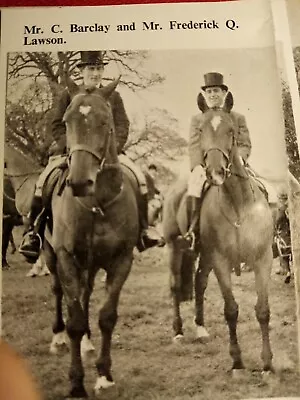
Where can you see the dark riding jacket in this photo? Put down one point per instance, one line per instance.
(121, 120)
(243, 138)
(152, 189)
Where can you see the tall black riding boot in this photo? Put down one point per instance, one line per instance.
(192, 234)
(32, 240)
(145, 239)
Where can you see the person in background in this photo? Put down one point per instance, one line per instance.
(151, 177)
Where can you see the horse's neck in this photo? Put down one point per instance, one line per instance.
(21, 171)
(238, 186)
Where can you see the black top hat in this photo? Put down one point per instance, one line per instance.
(214, 79)
(91, 58)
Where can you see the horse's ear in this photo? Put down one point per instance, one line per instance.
(202, 103)
(72, 87)
(107, 90)
(228, 104)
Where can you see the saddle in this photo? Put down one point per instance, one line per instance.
(56, 172)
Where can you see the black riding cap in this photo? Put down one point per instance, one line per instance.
(214, 79)
(91, 58)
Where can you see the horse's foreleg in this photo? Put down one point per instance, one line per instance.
(7, 227)
(262, 269)
(12, 243)
(86, 344)
(175, 261)
(59, 339)
(117, 274)
(76, 323)
(201, 280)
(58, 328)
(222, 268)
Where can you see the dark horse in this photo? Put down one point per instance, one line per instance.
(10, 218)
(95, 225)
(235, 226)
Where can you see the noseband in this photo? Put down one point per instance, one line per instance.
(100, 157)
(83, 147)
(228, 156)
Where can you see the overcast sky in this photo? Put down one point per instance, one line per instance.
(293, 8)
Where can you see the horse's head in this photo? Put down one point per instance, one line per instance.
(90, 137)
(217, 140)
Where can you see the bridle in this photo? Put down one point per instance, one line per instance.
(100, 157)
(227, 155)
(103, 165)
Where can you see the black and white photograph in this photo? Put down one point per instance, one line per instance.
(146, 241)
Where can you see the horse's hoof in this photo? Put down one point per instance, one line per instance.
(201, 333)
(44, 272)
(102, 383)
(178, 338)
(5, 266)
(238, 373)
(59, 349)
(87, 348)
(78, 393)
(279, 271)
(268, 376)
(59, 343)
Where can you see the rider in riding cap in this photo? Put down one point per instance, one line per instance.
(91, 67)
(214, 92)
(150, 176)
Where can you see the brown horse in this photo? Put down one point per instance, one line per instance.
(235, 226)
(95, 225)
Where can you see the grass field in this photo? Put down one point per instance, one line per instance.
(146, 364)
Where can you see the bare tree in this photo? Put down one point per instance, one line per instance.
(56, 68)
(35, 80)
(158, 139)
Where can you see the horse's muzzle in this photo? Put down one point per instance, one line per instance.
(81, 188)
(215, 177)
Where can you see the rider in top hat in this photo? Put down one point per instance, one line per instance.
(91, 67)
(214, 91)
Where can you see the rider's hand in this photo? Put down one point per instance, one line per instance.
(57, 147)
(16, 382)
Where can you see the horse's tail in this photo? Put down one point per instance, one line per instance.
(187, 276)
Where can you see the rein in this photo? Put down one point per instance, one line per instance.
(99, 209)
(27, 175)
(8, 197)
